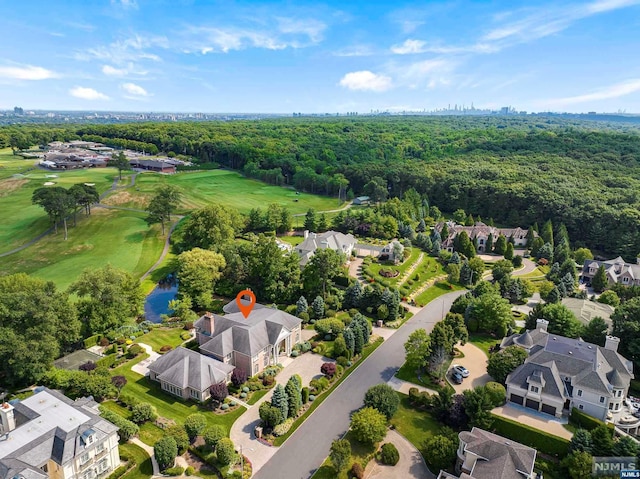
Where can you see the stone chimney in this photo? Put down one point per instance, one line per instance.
(306, 234)
(7, 419)
(542, 324)
(612, 343)
(209, 323)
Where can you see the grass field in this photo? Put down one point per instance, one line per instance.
(121, 238)
(483, 341)
(21, 220)
(225, 187)
(144, 468)
(11, 165)
(438, 289)
(167, 405)
(158, 337)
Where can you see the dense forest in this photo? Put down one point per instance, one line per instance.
(515, 170)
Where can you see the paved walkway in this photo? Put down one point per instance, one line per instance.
(404, 386)
(143, 366)
(410, 465)
(475, 360)
(541, 421)
(149, 450)
(531, 303)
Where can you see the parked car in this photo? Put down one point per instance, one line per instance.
(464, 372)
(456, 377)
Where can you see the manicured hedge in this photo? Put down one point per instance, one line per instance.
(529, 436)
(583, 420)
(91, 341)
(107, 361)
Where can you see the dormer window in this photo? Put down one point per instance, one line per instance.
(535, 389)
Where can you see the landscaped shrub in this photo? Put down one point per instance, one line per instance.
(219, 391)
(245, 389)
(118, 473)
(165, 348)
(165, 451)
(328, 369)
(92, 341)
(225, 451)
(174, 471)
(88, 366)
(224, 407)
(194, 424)
(389, 454)
(583, 420)
(238, 377)
(178, 433)
(342, 361)
(189, 471)
(128, 400)
(283, 428)
(357, 471)
(311, 398)
(243, 395)
(143, 412)
(383, 398)
(127, 428)
(304, 317)
(268, 381)
(305, 395)
(294, 354)
(305, 346)
(107, 361)
(186, 335)
(497, 393)
(529, 436)
(103, 342)
(213, 434)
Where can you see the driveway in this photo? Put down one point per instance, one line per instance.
(410, 464)
(308, 367)
(476, 362)
(309, 445)
(541, 421)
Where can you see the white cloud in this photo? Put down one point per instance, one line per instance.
(85, 93)
(613, 91)
(112, 71)
(310, 27)
(366, 81)
(409, 47)
(355, 51)
(429, 73)
(134, 90)
(26, 72)
(126, 4)
(133, 49)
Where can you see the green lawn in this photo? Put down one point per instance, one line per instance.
(375, 267)
(438, 289)
(483, 341)
(119, 238)
(158, 337)
(538, 273)
(144, 468)
(414, 424)
(149, 432)
(292, 240)
(225, 187)
(360, 452)
(11, 164)
(428, 268)
(21, 220)
(167, 405)
(407, 373)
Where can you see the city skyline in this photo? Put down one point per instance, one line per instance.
(267, 57)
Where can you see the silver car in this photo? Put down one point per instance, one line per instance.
(464, 372)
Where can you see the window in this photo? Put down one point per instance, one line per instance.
(90, 439)
(88, 474)
(84, 458)
(617, 407)
(255, 368)
(100, 448)
(625, 279)
(580, 407)
(103, 465)
(535, 389)
(195, 394)
(266, 359)
(601, 399)
(619, 394)
(579, 392)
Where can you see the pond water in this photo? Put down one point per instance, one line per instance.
(157, 302)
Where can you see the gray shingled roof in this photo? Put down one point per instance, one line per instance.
(185, 368)
(234, 332)
(499, 458)
(552, 382)
(49, 426)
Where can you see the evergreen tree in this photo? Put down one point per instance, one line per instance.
(546, 252)
(554, 296)
(455, 258)
(280, 401)
(317, 306)
(358, 343)
(599, 281)
(465, 273)
(394, 305)
(508, 254)
(530, 237)
(349, 339)
(489, 246)
(547, 233)
(444, 233)
(310, 220)
(536, 245)
(435, 235)
(294, 397)
(422, 227)
(490, 222)
(501, 245)
(469, 221)
(353, 296)
(569, 283)
(435, 248)
(322, 224)
(301, 306)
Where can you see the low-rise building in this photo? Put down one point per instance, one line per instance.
(480, 232)
(617, 270)
(50, 436)
(484, 455)
(343, 243)
(562, 373)
(586, 310)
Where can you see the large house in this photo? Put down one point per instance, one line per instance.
(50, 436)
(189, 374)
(627, 274)
(562, 373)
(484, 455)
(480, 232)
(252, 343)
(586, 310)
(343, 243)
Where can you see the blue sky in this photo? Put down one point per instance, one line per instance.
(297, 56)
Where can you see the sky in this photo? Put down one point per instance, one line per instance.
(317, 57)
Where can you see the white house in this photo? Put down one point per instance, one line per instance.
(343, 243)
(50, 436)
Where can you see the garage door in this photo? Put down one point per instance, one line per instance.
(532, 404)
(517, 399)
(549, 409)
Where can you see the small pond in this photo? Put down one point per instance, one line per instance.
(157, 302)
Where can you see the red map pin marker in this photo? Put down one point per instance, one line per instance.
(245, 309)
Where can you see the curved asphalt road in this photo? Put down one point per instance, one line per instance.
(305, 450)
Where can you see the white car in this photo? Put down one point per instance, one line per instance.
(464, 372)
